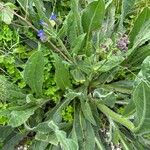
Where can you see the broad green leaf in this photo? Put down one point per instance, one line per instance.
(143, 35)
(93, 16)
(34, 72)
(7, 12)
(62, 75)
(87, 112)
(66, 143)
(142, 18)
(141, 98)
(18, 117)
(7, 16)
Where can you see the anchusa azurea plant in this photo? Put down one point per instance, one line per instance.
(80, 77)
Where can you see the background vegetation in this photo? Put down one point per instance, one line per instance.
(74, 74)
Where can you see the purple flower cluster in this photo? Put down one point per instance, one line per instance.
(123, 42)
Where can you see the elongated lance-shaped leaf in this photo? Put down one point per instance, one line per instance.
(62, 75)
(142, 18)
(34, 72)
(141, 99)
(93, 15)
(84, 131)
(143, 35)
(126, 7)
(86, 109)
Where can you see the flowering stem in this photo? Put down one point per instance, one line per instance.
(30, 25)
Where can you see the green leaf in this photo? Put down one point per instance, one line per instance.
(142, 18)
(78, 75)
(145, 69)
(66, 143)
(126, 8)
(18, 117)
(12, 141)
(62, 75)
(141, 98)
(129, 109)
(34, 72)
(10, 92)
(77, 44)
(143, 35)
(47, 138)
(93, 16)
(38, 145)
(87, 112)
(106, 65)
(24, 4)
(107, 98)
(122, 86)
(138, 55)
(5, 132)
(87, 132)
(7, 12)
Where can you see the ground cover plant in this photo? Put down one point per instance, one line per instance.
(74, 74)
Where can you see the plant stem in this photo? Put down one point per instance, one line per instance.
(30, 25)
(116, 117)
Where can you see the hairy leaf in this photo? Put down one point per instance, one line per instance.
(141, 99)
(34, 72)
(66, 143)
(93, 16)
(143, 35)
(62, 75)
(142, 18)
(18, 117)
(87, 112)
(126, 8)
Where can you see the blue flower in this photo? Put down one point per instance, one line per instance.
(53, 16)
(41, 34)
